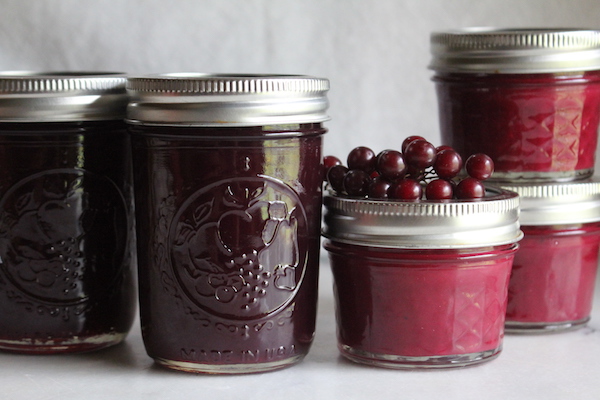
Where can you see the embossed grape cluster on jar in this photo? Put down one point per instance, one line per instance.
(419, 171)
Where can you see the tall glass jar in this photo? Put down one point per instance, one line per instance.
(529, 98)
(421, 284)
(552, 283)
(66, 218)
(228, 175)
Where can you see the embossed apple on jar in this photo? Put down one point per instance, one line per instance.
(237, 247)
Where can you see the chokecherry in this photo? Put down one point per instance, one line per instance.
(391, 165)
(479, 166)
(439, 189)
(356, 182)
(362, 158)
(420, 154)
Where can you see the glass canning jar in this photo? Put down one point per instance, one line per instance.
(66, 218)
(529, 98)
(228, 175)
(421, 284)
(554, 274)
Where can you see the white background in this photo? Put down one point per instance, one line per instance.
(375, 52)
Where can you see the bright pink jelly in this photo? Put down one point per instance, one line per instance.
(552, 282)
(420, 308)
(421, 284)
(534, 126)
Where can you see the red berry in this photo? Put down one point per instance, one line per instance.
(409, 140)
(479, 166)
(439, 189)
(390, 164)
(356, 182)
(420, 154)
(362, 158)
(469, 188)
(443, 147)
(335, 177)
(406, 189)
(330, 161)
(378, 188)
(447, 163)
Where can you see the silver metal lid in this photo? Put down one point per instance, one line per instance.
(559, 203)
(491, 221)
(227, 100)
(62, 96)
(489, 50)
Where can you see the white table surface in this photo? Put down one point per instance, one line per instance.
(554, 366)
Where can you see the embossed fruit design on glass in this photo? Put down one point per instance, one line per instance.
(66, 219)
(421, 283)
(552, 283)
(228, 175)
(529, 98)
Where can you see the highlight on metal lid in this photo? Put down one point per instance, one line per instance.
(426, 224)
(559, 203)
(27, 96)
(492, 50)
(196, 99)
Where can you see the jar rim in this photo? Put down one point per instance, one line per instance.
(62, 96)
(515, 50)
(205, 99)
(424, 224)
(558, 203)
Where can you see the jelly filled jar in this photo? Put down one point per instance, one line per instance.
(66, 212)
(227, 176)
(552, 283)
(421, 284)
(529, 98)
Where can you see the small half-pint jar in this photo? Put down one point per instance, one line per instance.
(421, 285)
(554, 274)
(529, 98)
(66, 212)
(227, 176)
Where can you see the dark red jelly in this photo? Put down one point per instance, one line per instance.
(66, 279)
(229, 225)
(228, 218)
(534, 126)
(553, 278)
(66, 212)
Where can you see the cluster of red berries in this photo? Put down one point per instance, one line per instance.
(418, 169)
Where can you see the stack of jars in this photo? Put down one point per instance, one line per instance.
(531, 100)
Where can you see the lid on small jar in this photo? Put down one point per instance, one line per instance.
(62, 96)
(559, 203)
(489, 50)
(424, 224)
(190, 99)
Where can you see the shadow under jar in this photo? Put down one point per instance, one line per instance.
(228, 175)
(554, 274)
(421, 285)
(66, 218)
(529, 98)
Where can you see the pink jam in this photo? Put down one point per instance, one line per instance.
(534, 126)
(553, 278)
(417, 307)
